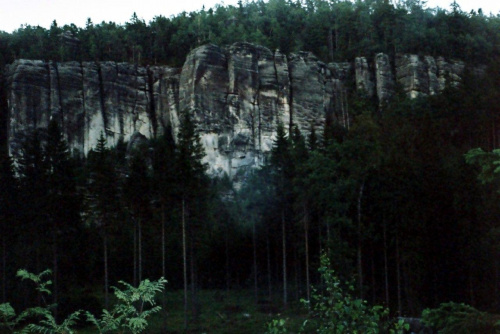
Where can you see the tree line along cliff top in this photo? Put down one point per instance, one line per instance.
(333, 31)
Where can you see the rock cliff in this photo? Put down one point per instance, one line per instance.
(236, 95)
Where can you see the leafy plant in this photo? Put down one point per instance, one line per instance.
(276, 326)
(9, 319)
(460, 318)
(47, 323)
(334, 310)
(130, 315)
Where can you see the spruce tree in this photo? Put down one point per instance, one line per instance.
(103, 198)
(32, 173)
(63, 201)
(137, 198)
(192, 182)
(9, 192)
(281, 169)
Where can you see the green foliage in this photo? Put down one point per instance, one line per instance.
(48, 325)
(488, 161)
(333, 30)
(38, 279)
(45, 319)
(334, 310)
(129, 315)
(10, 320)
(459, 318)
(276, 326)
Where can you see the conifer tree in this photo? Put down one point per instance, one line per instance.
(103, 198)
(63, 205)
(9, 192)
(192, 185)
(32, 173)
(280, 164)
(137, 197)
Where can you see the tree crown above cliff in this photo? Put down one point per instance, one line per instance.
(331, 30)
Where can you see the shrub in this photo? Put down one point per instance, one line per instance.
(129, 314)
(333, 310)
(459, 318)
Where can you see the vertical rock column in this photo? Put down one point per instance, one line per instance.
(28, 99)
(364, 76)
(203, 91)
(311, 98)
(384, 78)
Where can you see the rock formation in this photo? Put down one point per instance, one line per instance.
(236, 95)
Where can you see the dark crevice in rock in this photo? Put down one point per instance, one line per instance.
(49, 92)
(291, 93)
(151, 102)
(4, 114)
(84, 107)
(101, 96)
(60, 114)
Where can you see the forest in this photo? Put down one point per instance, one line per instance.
(391, 198)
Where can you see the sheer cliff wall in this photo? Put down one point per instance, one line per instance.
(236, 95)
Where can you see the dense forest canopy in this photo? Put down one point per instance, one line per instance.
(390, 197)
(332, 30)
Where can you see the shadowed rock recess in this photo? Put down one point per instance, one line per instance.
(236, 95)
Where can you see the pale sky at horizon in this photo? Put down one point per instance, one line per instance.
(14, 13)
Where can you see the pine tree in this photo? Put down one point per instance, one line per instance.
(63, 201)
(137, 192)
(103, 198)
(32, 173)
(280, 165)
(192, 185)
(9, 192)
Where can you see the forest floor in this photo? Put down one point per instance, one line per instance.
(221, 312)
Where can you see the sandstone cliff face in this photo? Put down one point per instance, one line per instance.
(237, 95)
(87, 99)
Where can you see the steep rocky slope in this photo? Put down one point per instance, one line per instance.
(236, 95)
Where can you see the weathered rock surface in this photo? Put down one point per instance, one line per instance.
(237, 95)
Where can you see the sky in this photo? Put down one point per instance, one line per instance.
(14, 13)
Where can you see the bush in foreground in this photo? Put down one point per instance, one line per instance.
(129, 314)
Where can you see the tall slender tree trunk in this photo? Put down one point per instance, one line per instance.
(328, 239)
(359, 250)
(321, 250)
(194, 297)
(496, 265)
(139, 246)
(283, 228)
(106, 278)
(398, 276)
(386, 271)
(472, 300)
(4, 269)
(296, 267)
(163, 255)
(254, 241)
(268, 249)
(135, 253)
(373, 278)
(228, 276)
(184, 263)
(306, 241)
(163, 271)
(55, 274)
